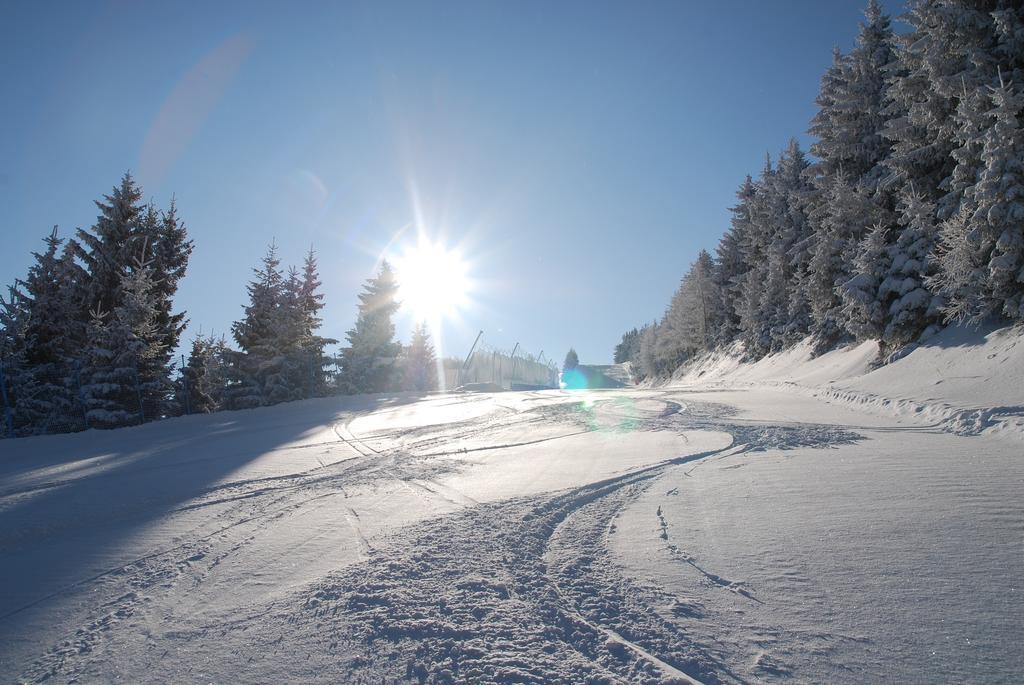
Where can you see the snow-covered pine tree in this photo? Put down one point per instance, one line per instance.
(170, 249)
(646, 364)
(108, 249)
(368, 363)
(123, 355)
(420, 367)
(864, 312)
(955, 48)
(12, 364)
(688, 323)
(257, 335)
(46, 393)
(286, 373)
(912, 309)
(783, 222)
(841, 222)
(999, 196)
(311, 301)
(732, 265)
(825, 125)
(961, 269)
(626, 349)
(124, 228)
(760, 209)
(858, 146)
(796, 233)
(204, 377)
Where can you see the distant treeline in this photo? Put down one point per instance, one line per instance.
(910, 214)
(88, 336)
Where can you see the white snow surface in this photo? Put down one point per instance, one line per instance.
(963, 380)
(796, 520)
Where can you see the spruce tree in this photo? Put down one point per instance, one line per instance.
(311, 302)
(368, 363)
(864, 311)
(757, 242)
(122, 385)
(912, 307)
(109, 247)
(45, 389)
(999, 195)
(732, 266)
(420, 362)
(204, 377)
(572, 360)
(257, 334)
(626, 349)
(843, 215)
(170, 250)
(124, 229)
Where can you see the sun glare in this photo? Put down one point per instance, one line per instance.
(433, 281)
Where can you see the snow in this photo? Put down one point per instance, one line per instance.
(799, 519)
(964, 380)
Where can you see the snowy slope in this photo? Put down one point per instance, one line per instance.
(754, 528)
(967, 381)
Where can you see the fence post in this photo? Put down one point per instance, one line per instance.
(185, 386)
(8, 412)
(138, 395)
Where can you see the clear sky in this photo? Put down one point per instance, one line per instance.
(580, 154)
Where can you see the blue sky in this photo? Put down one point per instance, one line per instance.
(579, 153)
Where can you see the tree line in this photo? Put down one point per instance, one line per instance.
(88, 337)
(909, 214)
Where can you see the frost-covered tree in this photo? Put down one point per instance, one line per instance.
(170, 249)
(825, 125)
(843, 218)
(627, 347)
(121, 381)
(732, 266)
(45, 384)
(108, 249)
(687, 326)
(777, 251)
(281, 356)
(205, 376)
(756, 243)
(795, 235)
(912, 307)
(999, 200)
(419, 372)
(961, 270)
(310, 301)
(954, 50)
(124, 229)
(261, 373)
(852, 104)
(647, 364)
(368, 363)
(864, 312)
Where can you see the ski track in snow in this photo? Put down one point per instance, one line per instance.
(468, 588)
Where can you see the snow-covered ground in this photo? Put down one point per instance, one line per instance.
(797, 520)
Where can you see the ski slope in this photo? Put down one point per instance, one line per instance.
(744, 529)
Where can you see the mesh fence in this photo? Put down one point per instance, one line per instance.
(502, 369)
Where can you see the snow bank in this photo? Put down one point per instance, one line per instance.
(963, 380)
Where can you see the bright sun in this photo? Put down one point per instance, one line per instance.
(433, 281)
